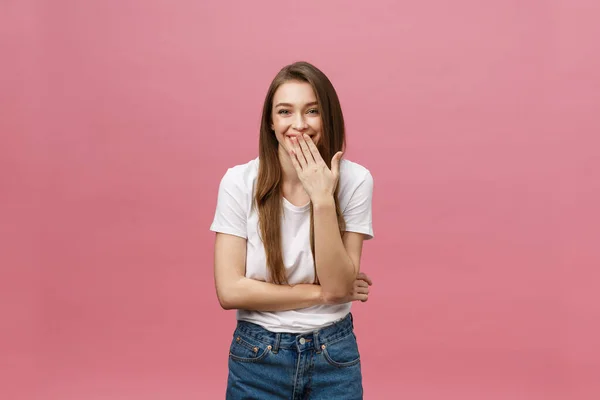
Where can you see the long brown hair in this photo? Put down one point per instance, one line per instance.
(268, 197)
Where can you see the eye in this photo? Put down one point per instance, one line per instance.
(283, 112)
(313, 111)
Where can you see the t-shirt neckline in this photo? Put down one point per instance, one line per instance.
(295, 208)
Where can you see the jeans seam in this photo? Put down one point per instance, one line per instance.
(337, 339)
(338, 364)
(250, 360)
(247, 335)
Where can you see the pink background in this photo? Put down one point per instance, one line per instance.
(118, 119)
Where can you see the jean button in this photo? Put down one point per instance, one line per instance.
(302, 340)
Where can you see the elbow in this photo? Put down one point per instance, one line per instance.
(230, 294)
(333, 297)
(339, 289)
(226, 300)
(225, 304)
(338, 293)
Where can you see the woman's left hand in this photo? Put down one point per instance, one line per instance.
(318, 180)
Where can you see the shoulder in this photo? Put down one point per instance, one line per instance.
(241, 176)
(356, 183)
(353, 174)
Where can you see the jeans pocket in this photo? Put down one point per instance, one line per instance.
(245, 349)
(343, 352)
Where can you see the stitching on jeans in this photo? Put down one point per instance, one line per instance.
(337, 339)
(339, 364)
(248, 335)
(250, 360)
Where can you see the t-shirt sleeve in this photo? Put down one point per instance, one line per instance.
(230, 215)
(358, 213)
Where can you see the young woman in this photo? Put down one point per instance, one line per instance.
(290, 228)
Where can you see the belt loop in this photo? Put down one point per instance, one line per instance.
(276, 344)
(316, 341)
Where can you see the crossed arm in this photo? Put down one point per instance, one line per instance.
(235, 291)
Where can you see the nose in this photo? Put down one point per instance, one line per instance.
(299, 122)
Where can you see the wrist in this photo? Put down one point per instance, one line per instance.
(324, 201)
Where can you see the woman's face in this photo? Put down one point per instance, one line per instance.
(295, 112)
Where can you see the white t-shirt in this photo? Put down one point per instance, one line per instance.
(236, 216)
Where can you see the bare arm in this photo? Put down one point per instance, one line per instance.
(235, 291)
(337, 259)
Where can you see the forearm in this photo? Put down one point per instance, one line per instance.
(250, 294)
(334, 266)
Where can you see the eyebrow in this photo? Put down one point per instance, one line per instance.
(314, 103)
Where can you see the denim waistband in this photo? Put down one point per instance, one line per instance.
(317, 339)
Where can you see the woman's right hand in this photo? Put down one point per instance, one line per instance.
(360, 291)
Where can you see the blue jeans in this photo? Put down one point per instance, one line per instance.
(323, 365)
